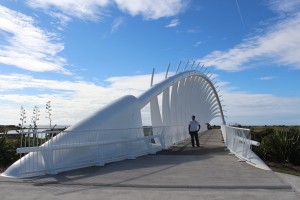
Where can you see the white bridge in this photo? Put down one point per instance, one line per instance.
(116, 131)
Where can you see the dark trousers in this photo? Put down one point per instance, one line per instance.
(194, 135)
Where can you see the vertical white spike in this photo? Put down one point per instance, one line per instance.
(178, 67)
(153, 71)
(186, 66)
(192, 65)
(197, 66)
(201, 67)
(167, 71)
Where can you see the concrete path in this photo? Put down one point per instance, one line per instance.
(182, 172)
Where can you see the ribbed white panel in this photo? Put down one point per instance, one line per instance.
(155, 112)
(173, 106)
(180, 102)
(187, 95)
(166, 113)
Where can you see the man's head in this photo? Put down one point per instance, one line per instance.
(193, 117)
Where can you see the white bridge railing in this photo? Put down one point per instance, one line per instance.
(238, 141)
(92, 147)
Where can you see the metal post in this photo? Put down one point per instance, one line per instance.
(192, 65)
(152, 77)
(186, 66)
(167, 71)
(201, 67)
(178, 67)
(197, 66)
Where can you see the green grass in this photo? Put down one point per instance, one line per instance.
(285, 168)
(276, 128)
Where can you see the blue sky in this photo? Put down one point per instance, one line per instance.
(82, 54)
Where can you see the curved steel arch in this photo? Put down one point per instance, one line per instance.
(178, 82)
(115, 132)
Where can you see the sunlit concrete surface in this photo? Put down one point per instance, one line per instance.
(182, 172)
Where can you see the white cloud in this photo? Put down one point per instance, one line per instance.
(280, 44)
(260, 109)
(152, 9)
(198, 43)
(286, 6)
(117, 23)
(195, 30)
(82, 9)
(266, 78)
(173, 23)
(95, 9)
(71, 101)
(28, 46)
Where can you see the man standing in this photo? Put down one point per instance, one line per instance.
(194, 127)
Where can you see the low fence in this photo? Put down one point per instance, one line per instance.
(50, 152)
(238, 141)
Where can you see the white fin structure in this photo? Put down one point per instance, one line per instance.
(115, 132)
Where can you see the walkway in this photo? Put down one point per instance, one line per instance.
(182, 172)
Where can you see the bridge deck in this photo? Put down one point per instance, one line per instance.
(182, 172)
(210, 143)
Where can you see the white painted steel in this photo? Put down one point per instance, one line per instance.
(117, 128)
(238, 141)
(91, 147)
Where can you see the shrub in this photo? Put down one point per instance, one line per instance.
(281, 146)
(8, 148)
(258, 136)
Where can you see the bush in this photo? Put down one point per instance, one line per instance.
(8, 148)
(281, 146)
(258, 136)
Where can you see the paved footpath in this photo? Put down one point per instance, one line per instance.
(181, 172)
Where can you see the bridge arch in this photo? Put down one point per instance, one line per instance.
(184, 94)
(116, 132)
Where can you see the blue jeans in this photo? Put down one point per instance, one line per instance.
(194, 136)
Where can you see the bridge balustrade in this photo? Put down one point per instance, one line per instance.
(238, 141)
(92, 147)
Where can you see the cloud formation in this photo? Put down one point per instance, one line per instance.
(279, 44)
(82, 9)
(151, 9)
(95, 9)
(70, 99)
(260, 109)
(73, 100)
(266, 78)
(28, 46)
(173, 23)
(284, 7)
(117, 23)
(32, 48)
